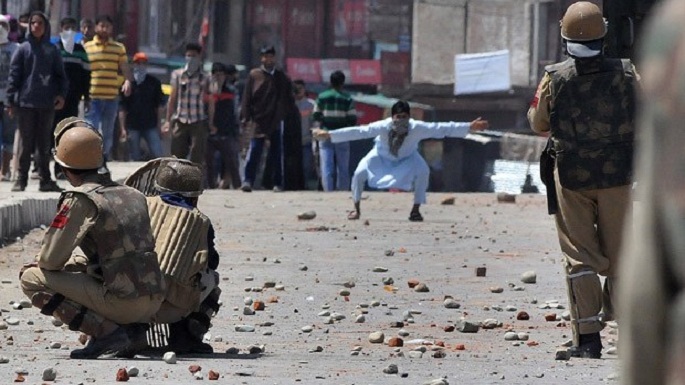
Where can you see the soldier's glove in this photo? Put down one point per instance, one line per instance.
(26, 266)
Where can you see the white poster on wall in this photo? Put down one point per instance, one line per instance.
(482, 72)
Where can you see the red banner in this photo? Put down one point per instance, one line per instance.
(308, 70)
(396, 68)
(365, 71)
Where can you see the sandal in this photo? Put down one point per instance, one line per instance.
(353, 215)
(415, 216)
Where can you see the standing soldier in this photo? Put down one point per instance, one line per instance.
(651, 305)
(118, 281)
(587, 105)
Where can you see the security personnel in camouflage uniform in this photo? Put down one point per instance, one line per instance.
(187, 256)
(651, 300)
(586, 104)
(118, 280)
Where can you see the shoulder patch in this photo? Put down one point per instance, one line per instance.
(61, 218)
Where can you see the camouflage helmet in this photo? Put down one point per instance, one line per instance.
(79, 147)
(583, 21)
(179, 176)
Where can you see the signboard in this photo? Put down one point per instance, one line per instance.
(349, 18)
(328, 66)
(482, 72)
(395, 68)
(365, 72)
(308, 70)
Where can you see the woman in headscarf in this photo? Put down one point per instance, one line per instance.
(394, 162)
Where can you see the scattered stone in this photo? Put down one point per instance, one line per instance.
(388, 281)
(3, 325)
(396, 324)
(447, 201)
(460, 347)
(198, 376)
(415, 354)
(303, 268)
(421, 288)
(212, 375)
(279, 287)
(562, 355)
(391, 369)
(375, 303)
(402, 333)
(12, 321)
(248, 310)
(449, 328)
(496, 289)
(523, 336)
(344, 293)
(256, 349)
(269, 284)
(338, 316)
(389, 253)
(511, 336)
(465, 326)
(450, 303)
(360, 319)
(133, 371)
(490, 323)
(233, 350)
(395, 342)
(439, 354)
(306, 216)
(376, 337)
(249, 278)
(258, 305)
(380, 269)
(510, 308)
(170, 357)
(49, 374)
(247, 301)
(566, 315)
(349, 284)
(550, 317)
(194, 368)
(55, 345)
(412, 283)
(244, 328)
(317, 349)
(506, 198)
(481, 271)
(307, 329)
(4, 360)
(529, 277)
(522, 316)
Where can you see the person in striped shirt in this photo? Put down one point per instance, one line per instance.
(335, 109)
(107, 61)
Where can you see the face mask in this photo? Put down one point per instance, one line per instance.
(3, 35)
(192, 64)
(401, 126)
(139, 73)
(68, 40)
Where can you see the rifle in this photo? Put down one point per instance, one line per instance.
(547, 161)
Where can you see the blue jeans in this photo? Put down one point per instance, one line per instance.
(152, 138)
(335, 165)
(102, 115)
(254, 157)
(308, 163)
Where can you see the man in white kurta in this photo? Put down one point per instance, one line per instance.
(397, 166)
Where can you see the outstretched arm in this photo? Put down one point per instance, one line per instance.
(353, 133)
(439, 130)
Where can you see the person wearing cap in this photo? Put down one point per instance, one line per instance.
(77, 68)
(224, 128)
(141, 111)
(117, 280)
(586, 105)
(394, 162)
(267, 100)
(8, 125)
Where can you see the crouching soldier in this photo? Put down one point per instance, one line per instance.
(184, 239)
(118, 281)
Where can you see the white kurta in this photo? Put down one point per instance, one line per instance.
(406, 171)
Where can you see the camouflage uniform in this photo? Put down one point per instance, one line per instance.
(653, 274)
(120, 282)
(587, 107)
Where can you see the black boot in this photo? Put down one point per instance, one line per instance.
(113, 342)
(137, 334)
(590, 346)
(183, 341)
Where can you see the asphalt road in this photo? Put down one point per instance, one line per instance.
(261, 241)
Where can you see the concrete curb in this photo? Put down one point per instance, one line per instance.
(19, 215)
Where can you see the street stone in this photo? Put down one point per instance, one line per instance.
(170, 357)
(376, 337)
(529, 277)
(511, 336)
(415, 354)
(360, 319)
(49, 374)
(391, 369)
(421, 288)
(465, 326)
(133, 371)
(244, 328)
(380, 269)
(450, 303)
